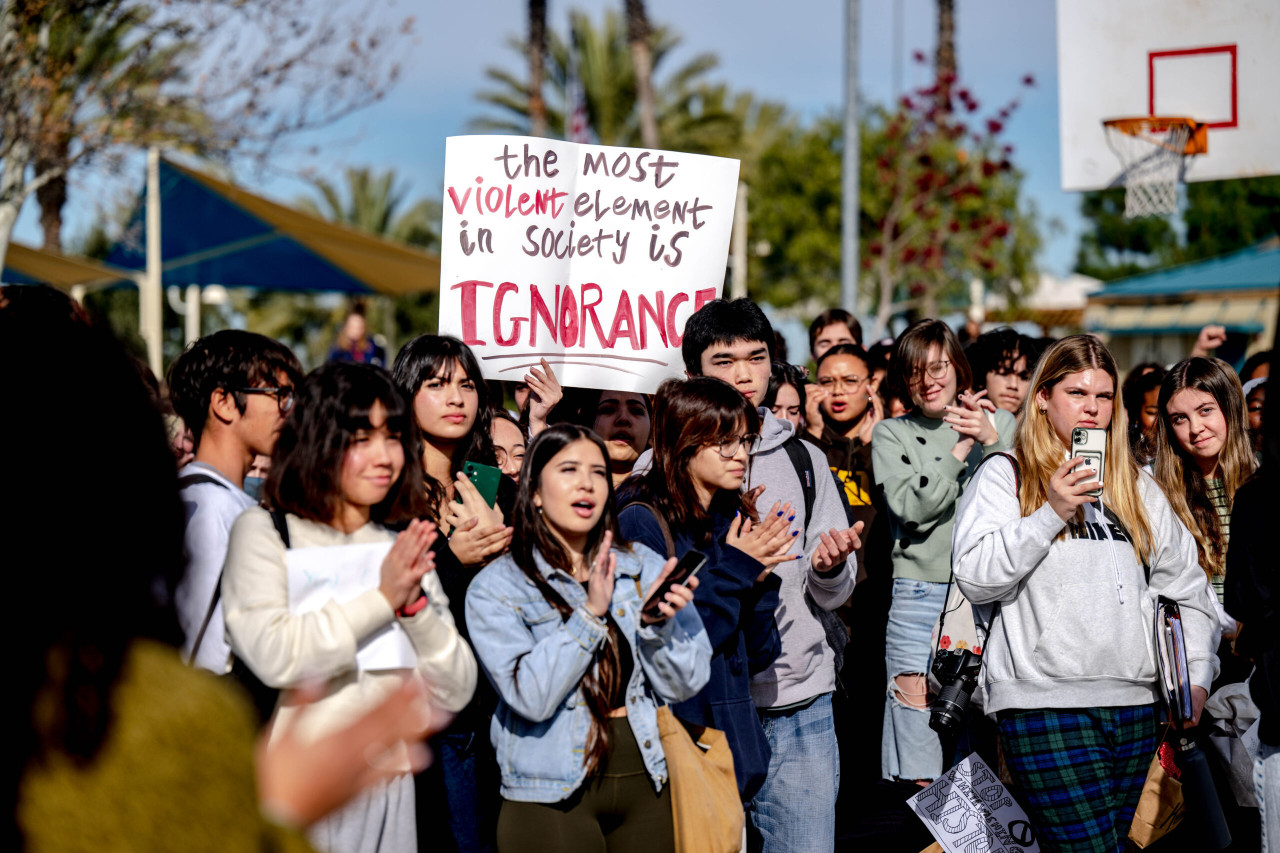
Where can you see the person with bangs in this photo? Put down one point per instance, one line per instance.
(1068, 669)
(1140, 394)
(691, 499)
(558, 628)
(923, 461)
(453, 415)
(623, 419)
(786, 396)
(341, 475)
(1202, 456)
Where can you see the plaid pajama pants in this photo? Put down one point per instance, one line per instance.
(1079, 772)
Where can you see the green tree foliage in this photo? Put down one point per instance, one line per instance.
(1223, 216)
(940, 204)
(1219, 217)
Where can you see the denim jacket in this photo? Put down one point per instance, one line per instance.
(536, 661)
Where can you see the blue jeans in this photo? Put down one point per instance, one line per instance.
(471, 789)
(909, 749)
(795, 810)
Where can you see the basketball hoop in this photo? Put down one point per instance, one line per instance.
(1152, 150)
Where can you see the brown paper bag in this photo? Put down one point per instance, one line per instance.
(1161, 807)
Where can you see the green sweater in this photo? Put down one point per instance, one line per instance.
(922, 481)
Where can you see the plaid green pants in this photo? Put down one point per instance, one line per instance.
(1079, 772)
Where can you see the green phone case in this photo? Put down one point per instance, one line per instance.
(485, 478)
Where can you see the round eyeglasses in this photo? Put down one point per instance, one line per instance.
(729, 447)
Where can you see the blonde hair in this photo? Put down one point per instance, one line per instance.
(1040, 452)
(1180, 479)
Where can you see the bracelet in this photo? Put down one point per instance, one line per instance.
(415, 607)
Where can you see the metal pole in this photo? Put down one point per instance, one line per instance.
(150, 308)
(738, 245)
(852, 157)
(192, 326)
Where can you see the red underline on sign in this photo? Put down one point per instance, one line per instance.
(576, 355)
(583, 363)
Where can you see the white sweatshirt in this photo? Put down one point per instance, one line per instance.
(1075, 626)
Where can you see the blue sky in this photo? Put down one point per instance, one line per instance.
(790, 52)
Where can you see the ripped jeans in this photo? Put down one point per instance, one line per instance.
(909, 749)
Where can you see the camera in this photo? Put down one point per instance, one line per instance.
(957, 672)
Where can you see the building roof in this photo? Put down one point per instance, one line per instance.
(1254, 268)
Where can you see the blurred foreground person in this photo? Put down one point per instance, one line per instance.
(119, 746)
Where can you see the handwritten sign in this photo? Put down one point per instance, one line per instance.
(589, 256)
(341, 573)
(968, 810)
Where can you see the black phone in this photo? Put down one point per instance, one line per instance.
(688, 566)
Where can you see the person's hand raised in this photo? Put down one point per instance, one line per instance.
(766, 541)
(1067, 488)
(600, 578)
(408, 560)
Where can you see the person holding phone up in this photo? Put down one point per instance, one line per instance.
(1068, 668)
(689, 499)
(557, 626)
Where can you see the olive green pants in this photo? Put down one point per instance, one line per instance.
(617, 811)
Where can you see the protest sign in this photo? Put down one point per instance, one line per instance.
(591, 257)
(968, 810)
(341, 573)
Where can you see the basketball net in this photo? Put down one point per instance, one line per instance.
(1152, 151)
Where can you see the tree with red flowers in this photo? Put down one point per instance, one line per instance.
(940, 202)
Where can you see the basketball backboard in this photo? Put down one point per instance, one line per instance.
(1215, 61)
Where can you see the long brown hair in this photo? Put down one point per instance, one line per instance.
(688, 415)
(601, 681)
(1180, 478)
(1041, 452)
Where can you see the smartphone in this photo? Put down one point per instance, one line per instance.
(688, 566)
(1091, 446)
(485, 478)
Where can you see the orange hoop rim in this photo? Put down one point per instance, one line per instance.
(1141, 126)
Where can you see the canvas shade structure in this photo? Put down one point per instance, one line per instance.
(25, 265)
(213, 232)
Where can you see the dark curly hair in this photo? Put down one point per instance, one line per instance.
(333, 403)
(436, 356)
(226, 360)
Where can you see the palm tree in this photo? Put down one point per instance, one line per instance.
(89, 47)
(639, 36)
(537, 51)
(373, 203)
(607, 74)
(945, 63)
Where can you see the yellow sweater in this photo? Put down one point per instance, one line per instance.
(174, 773)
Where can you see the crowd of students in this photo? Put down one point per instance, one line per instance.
(841, 511)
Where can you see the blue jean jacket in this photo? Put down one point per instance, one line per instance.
(536, 661)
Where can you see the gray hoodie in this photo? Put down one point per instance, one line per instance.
(1075, 624)
(805, 669)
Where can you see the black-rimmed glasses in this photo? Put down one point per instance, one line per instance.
(284, 396)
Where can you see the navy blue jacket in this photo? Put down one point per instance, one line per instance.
(738, 615)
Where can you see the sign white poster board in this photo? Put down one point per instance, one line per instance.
(340, 573)
(591, 257)
(968, 810)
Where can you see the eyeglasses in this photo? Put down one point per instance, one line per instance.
(729, 447)
(831, 383)
(284, 396)
(937, 370)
